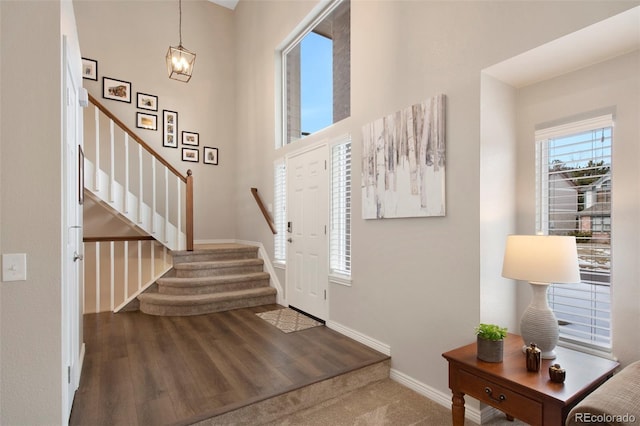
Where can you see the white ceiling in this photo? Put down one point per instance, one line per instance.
(229, 4)
(599, 42)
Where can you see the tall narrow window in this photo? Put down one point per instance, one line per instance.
(340, 237)
(280, 211)
(574, 198)
(316, 77)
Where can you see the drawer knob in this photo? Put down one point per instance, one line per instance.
(489, 392)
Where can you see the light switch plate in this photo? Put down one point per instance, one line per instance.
(14, 267)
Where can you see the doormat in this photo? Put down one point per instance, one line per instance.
(288, 320)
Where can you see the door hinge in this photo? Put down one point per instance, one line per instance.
(68, 374)
(325, 164)
(325, 230)
(325, 295)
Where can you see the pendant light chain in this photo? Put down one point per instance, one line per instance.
(180, 26)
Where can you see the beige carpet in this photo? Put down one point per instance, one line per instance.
(381, 403)
(288, 320)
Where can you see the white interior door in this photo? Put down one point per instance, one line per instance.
(307, 259)
(72, 234)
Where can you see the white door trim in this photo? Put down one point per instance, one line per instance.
(323, 145)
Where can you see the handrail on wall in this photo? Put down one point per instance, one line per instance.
(188, 179)
(264, 211)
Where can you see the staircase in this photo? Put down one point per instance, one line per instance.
(217, 278)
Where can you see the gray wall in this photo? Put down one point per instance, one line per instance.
(30, 185)
(614, 84)
(416, 282)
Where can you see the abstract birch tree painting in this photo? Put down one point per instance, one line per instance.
(403, 163)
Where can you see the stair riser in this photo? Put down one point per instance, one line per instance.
(217, 271)
(212, 288)
(227, 305)
(213, 256)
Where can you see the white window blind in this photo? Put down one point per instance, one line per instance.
(573, 184)
(340, 236)
(280, 211)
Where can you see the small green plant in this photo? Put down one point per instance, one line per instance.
(491, 332)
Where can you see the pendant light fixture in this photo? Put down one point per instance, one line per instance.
(179, 60)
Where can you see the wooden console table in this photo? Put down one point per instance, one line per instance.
(509, 387)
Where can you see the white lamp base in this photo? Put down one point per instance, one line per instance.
(538, 324)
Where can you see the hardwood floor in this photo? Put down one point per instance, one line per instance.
(147, 370)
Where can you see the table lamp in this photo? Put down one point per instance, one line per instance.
(541, 260)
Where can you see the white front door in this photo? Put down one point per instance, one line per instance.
(72, 233)
(307, 259)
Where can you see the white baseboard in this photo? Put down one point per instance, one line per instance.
(444, 399)
(359, 337)
(78, 368)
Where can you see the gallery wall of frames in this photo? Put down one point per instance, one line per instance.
(147, 113)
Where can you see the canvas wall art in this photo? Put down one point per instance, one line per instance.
(403, 162)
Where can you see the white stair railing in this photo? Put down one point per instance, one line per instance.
(155, 201)
(117, 270)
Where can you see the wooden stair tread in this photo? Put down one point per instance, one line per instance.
(228, 248)
(195, 299)
(214, 279)
(218, 264)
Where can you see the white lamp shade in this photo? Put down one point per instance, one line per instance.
(541, 259)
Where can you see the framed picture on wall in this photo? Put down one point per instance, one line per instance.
(146, 121)
(169, 129)
(190, 138)
(190, 154)
(116, 90)
(210, 155)
(89, 69)
(146, 101)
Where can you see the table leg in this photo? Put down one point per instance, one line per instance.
(457, 408)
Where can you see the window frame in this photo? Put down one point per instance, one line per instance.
(321, 12)
(280, 212)
(340, 235)
(544, 223)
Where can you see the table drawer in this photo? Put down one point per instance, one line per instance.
(505, 400)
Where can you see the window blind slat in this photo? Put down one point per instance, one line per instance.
(340, 236)
(280, 213)
(573, 181)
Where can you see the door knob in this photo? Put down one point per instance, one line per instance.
(77, 256)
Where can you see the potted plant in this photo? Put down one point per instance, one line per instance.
(490, 342)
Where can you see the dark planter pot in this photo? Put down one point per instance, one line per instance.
(490, 350)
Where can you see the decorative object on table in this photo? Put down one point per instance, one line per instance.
(533, 358)
(190, 138)
(210, 155)
(146, 101)
(190, 154)
(116, 90)
(89, 69)
(180, 60)
(403, 162)
(169, 129)
(557, 374)
(490, 342)
(541, 260)
(146, 121)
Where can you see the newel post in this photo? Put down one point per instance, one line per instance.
(189, 213)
